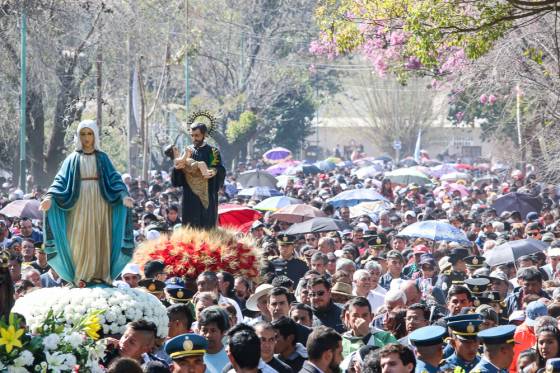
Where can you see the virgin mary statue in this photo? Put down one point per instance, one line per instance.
(88, 224)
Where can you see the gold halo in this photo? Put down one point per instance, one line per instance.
(206, 114)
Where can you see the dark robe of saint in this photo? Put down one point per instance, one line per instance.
(194, 214)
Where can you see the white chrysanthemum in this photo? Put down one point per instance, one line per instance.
(50, 342)
(120, 305)
(74, 339)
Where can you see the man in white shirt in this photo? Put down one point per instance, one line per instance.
(208, 281)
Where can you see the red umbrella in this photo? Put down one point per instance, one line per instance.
(236, 216)
(297, 213)
(463, 166)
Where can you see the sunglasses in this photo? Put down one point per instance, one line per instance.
(533, 233)
(320, 293)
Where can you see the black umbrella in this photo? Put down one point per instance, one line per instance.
(384, 158)
(510, 251)
(318, 225)
(522, 202)
(488, 179)
(257, 178)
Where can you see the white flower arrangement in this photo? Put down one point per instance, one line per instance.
(119, 306)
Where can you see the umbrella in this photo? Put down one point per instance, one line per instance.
(384, 158)
(363, 162)
(522, 202)
(488, 179)
(352, 197)
(325, 165)
(277, 155)
(510, 251)
(23, 208)
(369, 208)
(236, 216)
(407, 176)
(283, 180)
(297, 213)
(368, 171)
(307, 169)
(463, 166)
(334, 160)
(435, 230)
(442, 169)
(318, 225)
(256, 178)
(454, 176)
(453, 187)
(276, 203)
(259, 192)
(408, 162)
(280, 168)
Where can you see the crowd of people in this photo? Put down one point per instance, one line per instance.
(365, 299)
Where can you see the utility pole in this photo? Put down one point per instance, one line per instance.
(23, 100)
(519, 136)
(143, 124)
(187, 77)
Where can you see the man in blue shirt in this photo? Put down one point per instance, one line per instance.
(429, 348)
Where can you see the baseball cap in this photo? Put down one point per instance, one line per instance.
(533, 311)
(131, 268)
(410, 213)
(421, 249)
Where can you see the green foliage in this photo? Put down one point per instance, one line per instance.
(290, 120)
(433, 27)
(237, 129)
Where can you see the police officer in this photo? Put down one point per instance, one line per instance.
(448, 350)
(287, 264)
(478, 286)
(465, 344)
(473, 263)
(187, 353)
(153, 286)
(498, 349)
(429, 348)
(457, 274)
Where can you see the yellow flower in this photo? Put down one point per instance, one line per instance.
(10, 338)
(92, 326)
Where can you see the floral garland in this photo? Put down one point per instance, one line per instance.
(189, 252)
(54, 347)
(119, 306)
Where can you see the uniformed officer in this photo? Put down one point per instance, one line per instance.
(478, 286)
(473, 263)
(448, 350)
(176, 292)
(187, 353)
(457, 274)
(153, 286)
(497, 304)
(292, 267)
(465, 344)
(377, 243)
(429, 348)
(498, 349)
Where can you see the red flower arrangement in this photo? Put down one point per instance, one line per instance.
(189, 252)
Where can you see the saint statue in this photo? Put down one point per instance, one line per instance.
(199, 171)
(88, 222)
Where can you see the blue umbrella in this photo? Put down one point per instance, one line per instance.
(325, 166)
(259, 192)
(353, 197)
(435, 230)
(276, 203)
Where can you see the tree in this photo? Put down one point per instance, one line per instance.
(394, 111)
(431, 37)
